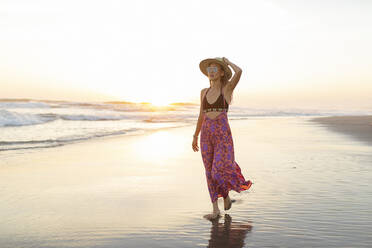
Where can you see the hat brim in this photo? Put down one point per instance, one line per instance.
(204, 64)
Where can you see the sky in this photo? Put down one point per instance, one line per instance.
(293, 53)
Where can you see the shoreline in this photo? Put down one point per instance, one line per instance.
(358, 127)
(129, 134)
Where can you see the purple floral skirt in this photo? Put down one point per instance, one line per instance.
(217, 149)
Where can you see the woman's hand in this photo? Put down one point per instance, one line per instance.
(236, 69)
(226, 60)
(195, 146)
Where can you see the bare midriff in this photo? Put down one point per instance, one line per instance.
(213, 114)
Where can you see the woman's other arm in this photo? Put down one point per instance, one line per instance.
(201, 113)
(195, 146)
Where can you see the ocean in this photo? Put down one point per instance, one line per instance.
(33, 124)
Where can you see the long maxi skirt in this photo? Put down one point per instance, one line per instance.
(222, 171)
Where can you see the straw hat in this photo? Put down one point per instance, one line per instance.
(204, 64)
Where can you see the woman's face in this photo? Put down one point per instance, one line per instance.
(215, 75)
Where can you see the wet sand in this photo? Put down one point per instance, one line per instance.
(359, 127)
(311, 189)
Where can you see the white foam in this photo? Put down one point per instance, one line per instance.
(9, 105)
(8, 118)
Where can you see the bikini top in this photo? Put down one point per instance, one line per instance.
(219, 105)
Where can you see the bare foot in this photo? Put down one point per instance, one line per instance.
(227, 203)
(213, 215)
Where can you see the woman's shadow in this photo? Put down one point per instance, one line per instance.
(228, 234)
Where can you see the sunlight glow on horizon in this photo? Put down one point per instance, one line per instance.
(146, 51)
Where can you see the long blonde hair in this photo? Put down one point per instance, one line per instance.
(224, 80)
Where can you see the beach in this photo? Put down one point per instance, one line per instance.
(358, 127)
(311, 189)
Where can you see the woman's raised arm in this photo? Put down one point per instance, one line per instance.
(238, 72)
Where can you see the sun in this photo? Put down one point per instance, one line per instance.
(160, 102)
(149, 98)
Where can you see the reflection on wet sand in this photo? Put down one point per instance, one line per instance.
(228, 233)
(311, 190)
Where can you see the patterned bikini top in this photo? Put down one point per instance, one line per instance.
(219, 105)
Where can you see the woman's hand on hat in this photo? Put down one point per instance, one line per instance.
(226, 60)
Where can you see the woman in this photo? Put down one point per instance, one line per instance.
(222, 172)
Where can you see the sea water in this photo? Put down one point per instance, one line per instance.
(31, 124)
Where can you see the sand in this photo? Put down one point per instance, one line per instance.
(359, 127)
(311, 189)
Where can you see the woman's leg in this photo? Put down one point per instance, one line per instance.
(233, 178)
(207, 151)
(215, 213)
(223, 161)
(218, 172)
